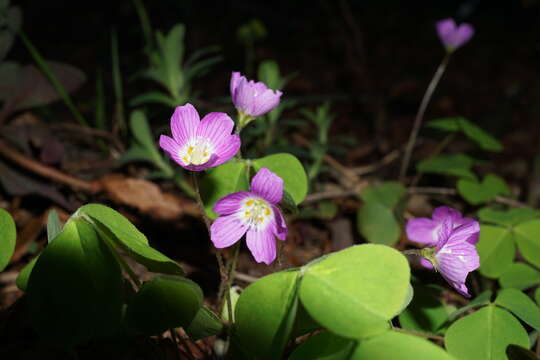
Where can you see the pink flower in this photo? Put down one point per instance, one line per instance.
(199, 144)
(426, 231)
(253, 213)
(252, 98)
(453, 239)
(453, 36)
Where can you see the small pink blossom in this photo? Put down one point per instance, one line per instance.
(453, 238)
(200, 144)
(253, 213)
(453, 36)
(252, 98)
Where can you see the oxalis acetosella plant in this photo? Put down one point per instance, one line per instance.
(359, 303)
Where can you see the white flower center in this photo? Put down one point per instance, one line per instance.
(196, 151)
(255, 213)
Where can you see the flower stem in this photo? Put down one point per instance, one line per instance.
(420, 116)
(412, 252)
(200, 203)
(231, 270)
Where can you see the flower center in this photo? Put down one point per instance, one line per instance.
(256, 212)
(197, 151)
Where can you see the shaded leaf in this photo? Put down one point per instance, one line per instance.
(521, 305)
(507, 218)
(476, 193)
(520, 276)
(496, 249)
(471, 130)
(204, 324)
(164, 303)
(516, 352)
(378, 224)
(448, 164)
(528, 241)
(76, 260)
(426, 312)
(8, 236)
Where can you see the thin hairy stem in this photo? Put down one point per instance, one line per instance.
(420, 116)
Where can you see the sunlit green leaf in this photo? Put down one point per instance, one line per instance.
(395, 345)
(113, 226)
(221, 181)
(263, 313)
(289, 168)
(485, 334)
(54, 227)
(350, 292)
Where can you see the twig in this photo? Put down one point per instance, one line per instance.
(46, 171)
(420, 115)
(325, 195)
(450, 192)
(387, 159)
(419, 333)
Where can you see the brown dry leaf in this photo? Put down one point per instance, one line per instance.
(146, 197)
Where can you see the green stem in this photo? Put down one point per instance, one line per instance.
(200, 204)
(45, 69)
(416, 252)
(420, 115)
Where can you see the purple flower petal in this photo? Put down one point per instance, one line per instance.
(262, 245)
(235, 79)
(253, 98)
(216, 127)
(422, 231)
(171, 147)
(228, 149)
(453, 36)
(426, 263)
(467, 232)
(184, 123)
(227, 230)
(455, 260)
(266, 102)
(443, 212)
(280, 225)
(231, 203)
(267, 185)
